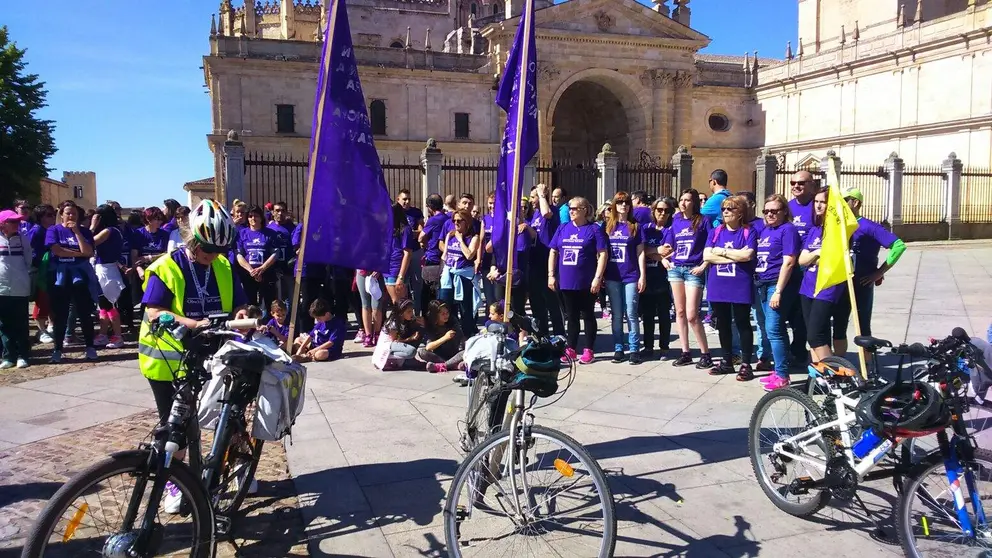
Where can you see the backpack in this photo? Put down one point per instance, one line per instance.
(716, 232)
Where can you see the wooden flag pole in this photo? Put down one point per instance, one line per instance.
(848, 269)
(322, 96)
(517, 166)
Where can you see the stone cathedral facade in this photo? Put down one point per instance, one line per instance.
(864, 78)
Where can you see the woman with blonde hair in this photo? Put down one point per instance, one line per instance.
(625, 276)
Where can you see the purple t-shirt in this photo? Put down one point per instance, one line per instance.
(654, 235)
(36, 237)
(196, 305)
(149, 243)
(281, 240)
(812, 243)
(688, 242)
(774, 243)
(432, 237)
(58, 234)
(546, 230)
(578, 249)
(111, 249)
(309, 270)
(397, 245)
(474, 228)
(454, 257)
(283, 329)
(642, 215)
(413, 216)
(866, 242)
(622, 265)
(487, 235)
(731, 282)
(256, 246)
(170, 226)
(333, 330)
(24, 226)
(802, 216)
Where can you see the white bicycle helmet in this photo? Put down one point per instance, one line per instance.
(212, 226)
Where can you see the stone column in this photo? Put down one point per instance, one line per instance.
(234, 169)
(767, 168)
(682, 163)
(606, 182)
(430, 162)
(825, 165)
(530, 177)
(894, 167)
(952, 168)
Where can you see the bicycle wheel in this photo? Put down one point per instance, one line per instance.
(484, 413)
(552, 521)
(91, 494)
(773, 473)
(934, 529)
(237, 473)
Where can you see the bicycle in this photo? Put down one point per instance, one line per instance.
(960, 458)
(204, 483)
(507, 456)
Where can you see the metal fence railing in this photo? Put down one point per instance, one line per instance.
(399, 176)
(976, 195)
(656, 180)
(476, 177)
(871, 180)
(924, 195)
(577, 178)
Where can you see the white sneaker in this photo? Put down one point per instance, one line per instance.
(6, 364)
(21, 363)
(45, 337)
(173, 499)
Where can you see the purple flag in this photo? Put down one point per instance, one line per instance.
(348, 215)
(517, 96)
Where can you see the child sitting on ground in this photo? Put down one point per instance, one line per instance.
(278, 326)
(325, 340)
(496, 316)
(444, 340)
(403, 330)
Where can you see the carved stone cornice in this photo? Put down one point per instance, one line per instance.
(660, 78)
(547, 71)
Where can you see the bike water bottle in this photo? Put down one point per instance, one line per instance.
(869, 441)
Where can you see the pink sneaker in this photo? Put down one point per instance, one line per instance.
(776, 382)
(368, 342)
(587, 356)
(606, 314)
(569, 356)
(437, 367)
(360, 336)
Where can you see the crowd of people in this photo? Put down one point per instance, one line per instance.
(647, 263)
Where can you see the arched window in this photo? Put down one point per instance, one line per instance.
(497, 8)
(377, 113)
(396, 44)
(473, 8)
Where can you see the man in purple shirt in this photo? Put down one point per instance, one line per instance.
(642, 207)
(803, 187)
(415, 218)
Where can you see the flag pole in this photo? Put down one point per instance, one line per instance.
(321, 95)
(515, 172)
(849, 272)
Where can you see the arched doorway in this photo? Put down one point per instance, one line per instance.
(586, 116)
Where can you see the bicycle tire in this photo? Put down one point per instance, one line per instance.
(798, 510)
(245, 485)
(502, 437)
(124, 462)
(913, 480)
(481, 385)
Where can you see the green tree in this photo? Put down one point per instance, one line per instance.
(26, 141)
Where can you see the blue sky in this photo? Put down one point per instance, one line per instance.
(126, 89)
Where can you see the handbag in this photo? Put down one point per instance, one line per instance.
(431, 273)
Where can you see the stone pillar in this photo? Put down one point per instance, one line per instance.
(825, 165)
(530, 177)
(287, 20)
(894, 167)
(681, 12)
(682, 163)
(606, 182)
(251, 26)
(767, 168)
(952, 168)
(430, 162)
(234, 169)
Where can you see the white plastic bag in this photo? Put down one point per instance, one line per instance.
(372, 287)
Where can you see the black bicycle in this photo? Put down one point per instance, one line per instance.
(114, 508)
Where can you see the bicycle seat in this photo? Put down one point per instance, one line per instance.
(246, 360)
(871, 344)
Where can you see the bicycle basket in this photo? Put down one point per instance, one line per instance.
(537, 370)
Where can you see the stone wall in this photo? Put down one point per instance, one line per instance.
(87, 181)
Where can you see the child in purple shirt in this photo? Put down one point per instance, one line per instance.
(326, 339)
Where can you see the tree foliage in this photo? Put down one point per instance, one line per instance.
(26, 141)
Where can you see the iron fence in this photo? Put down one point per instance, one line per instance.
(577, 178)
(399, 176)
(276, 177)
(976, 195)
(476, 177)
(924, 195)
(871, 180)
(656, 180)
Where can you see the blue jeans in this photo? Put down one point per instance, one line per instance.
(775, 330)
(624, 298)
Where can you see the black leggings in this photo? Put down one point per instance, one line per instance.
(125, 305)
(544, 303)
(163, 392)
(654, 305)
(580, 302)
(818, 315)
(60, 298)
(518, 298)
(741, 316)
(261, 294)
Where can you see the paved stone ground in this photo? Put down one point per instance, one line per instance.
(374, 452)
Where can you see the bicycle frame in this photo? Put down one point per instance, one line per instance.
(845, 417)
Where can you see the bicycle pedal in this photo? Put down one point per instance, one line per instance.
(222, 525)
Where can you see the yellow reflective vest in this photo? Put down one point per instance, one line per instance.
(159, 355)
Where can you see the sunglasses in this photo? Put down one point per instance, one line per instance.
(622, 202)
(572, 208)
(728, 209)
(772, 211)
(799, 182)
(661, 210)
(456, 221)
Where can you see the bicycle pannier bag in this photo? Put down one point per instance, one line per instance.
(280, 400)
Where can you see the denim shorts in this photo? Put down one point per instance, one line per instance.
(683, 274)
(391, 280)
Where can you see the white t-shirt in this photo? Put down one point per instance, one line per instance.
(175, 240)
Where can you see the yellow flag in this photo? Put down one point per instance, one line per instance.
(839, 224)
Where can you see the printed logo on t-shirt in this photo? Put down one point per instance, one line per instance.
(570, 256)
(683, 248)
(762, 262)
(728, 269)
(618, 253)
